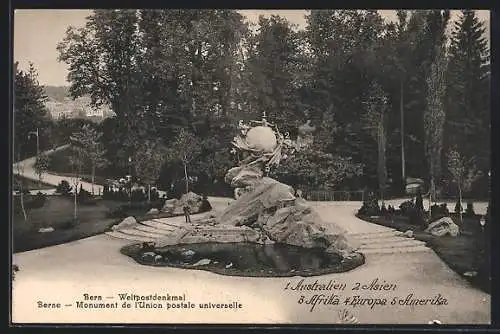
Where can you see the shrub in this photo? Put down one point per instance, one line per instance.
(63, 188)
(383, 210)
(370, 206)
(157, 204)
(469, 211)
(419, 202)
(155, 195)
(407, 207)
(458, 207)
(417, 217)
(85, 197)
(444, 209)
(138, 195)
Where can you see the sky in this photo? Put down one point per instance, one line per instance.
(37, 32)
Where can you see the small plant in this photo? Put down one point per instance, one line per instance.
(370, 206)
(63, 188)
(407, 207)
(419, 202)
(458, 206)
(15, 268)
(469, 211)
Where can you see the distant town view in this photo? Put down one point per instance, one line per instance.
(60, 105)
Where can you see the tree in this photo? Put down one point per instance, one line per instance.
(271, 71)
(102, 61)
(468, 94)
(342, 51)
(19, 170)
(77, 162)
(311, 168)
(184, 149)
(374, 119)
(463, 173)
(41, 166)
(88, 139)
(149, 160)
(29, 110)
(434, 117)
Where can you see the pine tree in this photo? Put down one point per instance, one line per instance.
(29, 111)
(467, 122)
(434, 116)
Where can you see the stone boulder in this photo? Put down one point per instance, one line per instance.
(153, 211)
(267, 194)
(195, 202)
(129, 222)
(272, 208)
(443, 226)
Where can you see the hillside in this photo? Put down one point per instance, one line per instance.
(57, 93)
(60, 104)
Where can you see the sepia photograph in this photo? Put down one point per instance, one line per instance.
(251, 166)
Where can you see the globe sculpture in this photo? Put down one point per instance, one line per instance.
(265, 213)
(269, 206)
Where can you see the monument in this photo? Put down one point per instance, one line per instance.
(265, 211)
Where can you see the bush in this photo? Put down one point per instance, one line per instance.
(417, 217)
(138, 195)
(419, 202)
(407, 207)
(85, 197)
(157, 204)
(155, 195)
(63, 188)
(439, 211)
(370, 206)
(469, 211)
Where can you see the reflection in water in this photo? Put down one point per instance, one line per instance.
(243, 259)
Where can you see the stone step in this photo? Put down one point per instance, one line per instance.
(372, 235)
(119, 235)
(382, 240)
(150, 229)
(398, 244)
(139, 233)
(170, 222)
(395, 250)
(158, 226)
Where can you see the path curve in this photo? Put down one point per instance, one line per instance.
(48, 178)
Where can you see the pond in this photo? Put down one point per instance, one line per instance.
(244, 259)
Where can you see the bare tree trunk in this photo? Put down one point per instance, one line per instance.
(186, 177)
(75, 210)
(460, 201)
(401, 106)
(149, 193)
(93, 178)
(430, 197)
(22, 205)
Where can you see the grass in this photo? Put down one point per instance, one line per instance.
(30, 184)
(57, 213)
(460, 253)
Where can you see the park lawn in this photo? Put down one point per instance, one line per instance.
(459, 253)
(30, 184)
(57, 213)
